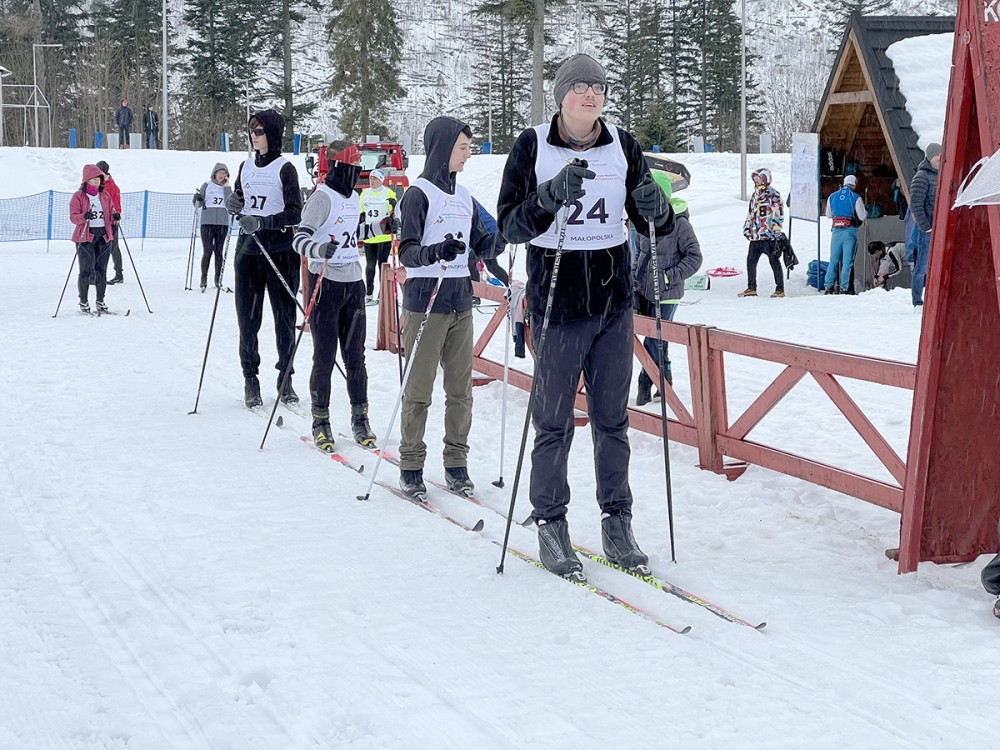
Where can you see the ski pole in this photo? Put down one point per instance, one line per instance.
(412, 356)
(281, 278)
(663, 397)
(506, 366)
(134, 269)
(395, 306)
(298, 340)
(534, 383)
(70, 273)
(189, 273)
(211, 325)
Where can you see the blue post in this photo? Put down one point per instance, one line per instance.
(99, 139)
(72, 137)
(708, 148)
(48, 232)
(145, 207)
(487, 147)
(298, 143)
(656, 148)
(224, 137)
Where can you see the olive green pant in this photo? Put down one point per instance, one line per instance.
(446, 340)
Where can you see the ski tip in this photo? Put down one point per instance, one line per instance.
(480, 525)
(361, 469)
(760, 627)
(280, 422)
(685, 630)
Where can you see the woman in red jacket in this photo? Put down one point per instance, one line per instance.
(90, 210)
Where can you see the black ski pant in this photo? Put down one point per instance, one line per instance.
(254, 276)
(213, 238)
(93, 259)
(376, 253)
(116, 254)
(767, 248)
(123, 136)
(601, 348)
(338, 317)
(991, 573)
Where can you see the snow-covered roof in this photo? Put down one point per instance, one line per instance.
(923, 66)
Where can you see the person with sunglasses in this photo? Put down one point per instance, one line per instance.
(569, 185)
(267, 198)
(327, 237)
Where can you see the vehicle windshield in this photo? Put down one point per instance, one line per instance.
(372, 160)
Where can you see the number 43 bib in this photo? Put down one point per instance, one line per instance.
(597, 220)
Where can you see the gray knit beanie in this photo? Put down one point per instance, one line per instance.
(932, 150)
(579, 67)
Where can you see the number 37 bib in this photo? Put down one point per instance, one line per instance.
(597, 220)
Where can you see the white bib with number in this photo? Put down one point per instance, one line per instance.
(98, 209)
(446, 214)
(597, 220)
(376, 203)
(215, 195)
(341, 225)
(262, 193)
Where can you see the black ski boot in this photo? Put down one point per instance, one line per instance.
(411, 482)
(85, 307)
(458, 480)
(556, 551)
(204, 284)
(363, 434)
(251, 392)
(288, 394)
(322, 432)
(117, 279)
(619, 544)
(101, 307)
(645, 388)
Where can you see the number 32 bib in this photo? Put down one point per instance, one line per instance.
(596, 221)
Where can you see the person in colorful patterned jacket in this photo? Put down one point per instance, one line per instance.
(90, 210)
(764, 219)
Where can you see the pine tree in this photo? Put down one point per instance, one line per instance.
(131, 31)
(365, 74)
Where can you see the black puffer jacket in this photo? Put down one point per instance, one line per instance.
(276, 236)
(678, 257)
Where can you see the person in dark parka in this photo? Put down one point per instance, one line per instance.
(923, 194)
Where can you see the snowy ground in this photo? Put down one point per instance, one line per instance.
(164, 584)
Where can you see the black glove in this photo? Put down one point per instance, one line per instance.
(394, 225)
(198, 201)
(448, 250)
(251, 224)
(90, 215)
(234, 203)
(116, 216)
(565, 187)
(650, 200)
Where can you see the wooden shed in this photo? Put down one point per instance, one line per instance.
(862, 121)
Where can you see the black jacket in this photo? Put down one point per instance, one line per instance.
(150, 121)
(590, 282)
(276, 236)
(455, 294)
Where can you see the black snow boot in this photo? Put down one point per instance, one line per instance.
(619, 544)
(556, 551)
(204, 283)
(251, 392)
(411, 482)
(322, 432)
(363, 434)
(287, 394)
(85, 307)
(458, 480)
(645, 389)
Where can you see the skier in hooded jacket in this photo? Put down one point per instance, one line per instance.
(90, 210)
(328, 237)
(552, 200)
(267, 197)
(439, 226)
(211, 198)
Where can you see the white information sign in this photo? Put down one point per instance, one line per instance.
(805, 177)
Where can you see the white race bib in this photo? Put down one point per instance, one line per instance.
(215, 195)
(262, 193)
(446, 214)
(97, 208)
(341, 225)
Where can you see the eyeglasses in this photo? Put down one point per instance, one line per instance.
(580, 87)
(257, 131)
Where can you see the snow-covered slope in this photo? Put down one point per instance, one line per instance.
(165, 584)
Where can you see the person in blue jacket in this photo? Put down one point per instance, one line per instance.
(848, 212)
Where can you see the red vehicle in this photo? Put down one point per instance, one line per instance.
(389, 157)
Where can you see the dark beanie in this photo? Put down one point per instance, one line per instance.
(579, 67)
(932, 150)
(103, 166)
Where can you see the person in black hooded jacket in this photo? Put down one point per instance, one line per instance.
(439, 225)
(550, 199)
(267, 196)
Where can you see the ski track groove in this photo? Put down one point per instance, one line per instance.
(158, 605)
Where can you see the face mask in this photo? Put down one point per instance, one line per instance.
(91, 189)
(343, 177)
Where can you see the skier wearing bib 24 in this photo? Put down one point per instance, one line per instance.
(328, 233)
(439, 225)
(554, 201)
(267, 194)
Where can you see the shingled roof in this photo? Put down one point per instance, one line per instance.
(872, 36)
